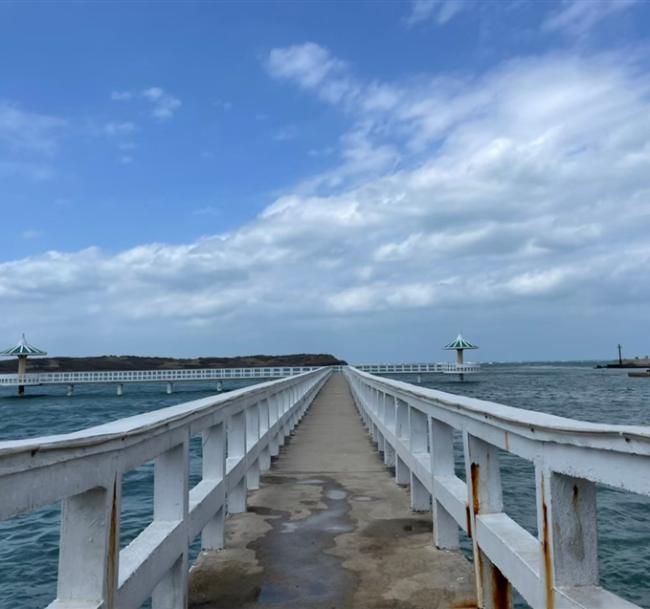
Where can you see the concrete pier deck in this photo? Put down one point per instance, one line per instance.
(329, 528)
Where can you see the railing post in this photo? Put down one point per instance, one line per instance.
(418, 440)
(402, 474)
(171, 497)
(252, 437)
(381, 406)
(389, 455)
(214, 468)
(89, 547)
(389, 421)
(567, 530)
(390, 412)
(237, 452)
(445, 528)
(274, 414)
(402, 420)
(265, 455)
(485, 496)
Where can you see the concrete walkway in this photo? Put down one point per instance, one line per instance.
(330, 529)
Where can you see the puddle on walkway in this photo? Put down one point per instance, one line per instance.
(336, 494)
(297, 571)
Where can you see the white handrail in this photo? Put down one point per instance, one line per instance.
(150, 376)
(241, 430)
(413, 428)
(420, 368)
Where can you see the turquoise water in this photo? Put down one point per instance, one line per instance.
(29, 544)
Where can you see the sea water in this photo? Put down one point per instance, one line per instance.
(29, 543)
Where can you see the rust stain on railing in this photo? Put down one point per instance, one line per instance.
(546, 549)
(112, 557)
(501, 589)
(474, 473)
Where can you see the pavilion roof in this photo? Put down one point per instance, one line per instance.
(22, 348)
(460, 343)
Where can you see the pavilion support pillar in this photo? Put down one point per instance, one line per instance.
(22, 370)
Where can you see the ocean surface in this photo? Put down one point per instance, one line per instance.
(29, 543)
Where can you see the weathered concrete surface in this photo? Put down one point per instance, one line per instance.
(329, 528)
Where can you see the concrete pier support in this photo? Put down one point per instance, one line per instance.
(219, 386)
(170, 388)
(70, 390)
(120, 389)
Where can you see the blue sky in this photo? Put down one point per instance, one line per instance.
(361, 178)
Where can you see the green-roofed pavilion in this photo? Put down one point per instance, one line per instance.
(22, 351)
(23, 348)
(459, 344)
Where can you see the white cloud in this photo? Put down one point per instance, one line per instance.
(440, 11)
(119, 128)
(577, 17)
(286, 133)
(314, 68)
(527, 188)
(31, 233)
(163, 104)
(22, 130)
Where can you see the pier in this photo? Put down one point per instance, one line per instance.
(298, 506)
(219, 375)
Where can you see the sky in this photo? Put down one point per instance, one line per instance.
(367, 179)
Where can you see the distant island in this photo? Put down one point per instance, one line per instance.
(135, 362)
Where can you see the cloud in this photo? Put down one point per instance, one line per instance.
(577, 17)
(21, 130)
(119, 128)
(440, 11)
(207, 210)
(32, 170)
(314, 68)
(520, 192)
(286, 133)
(31, 233)
(29, 142)
(163, 104)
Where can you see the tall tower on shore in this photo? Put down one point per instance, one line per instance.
(22, 351)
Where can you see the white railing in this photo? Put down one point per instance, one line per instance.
(430, 368)
(414, 427)
(150, 376)
(240, 431)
